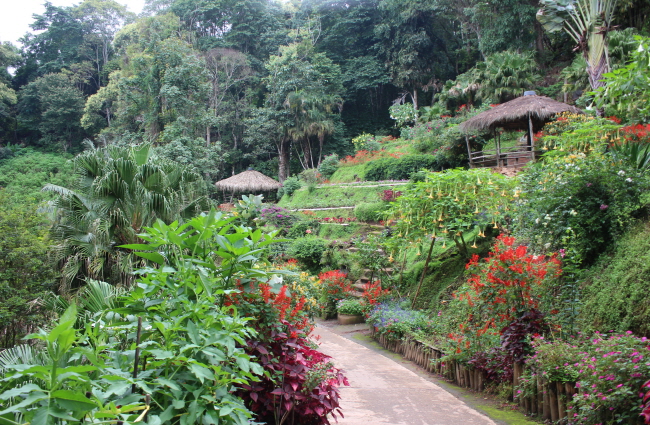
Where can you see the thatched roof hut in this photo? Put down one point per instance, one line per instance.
(518, 114)
(248, 181)
(529, 112)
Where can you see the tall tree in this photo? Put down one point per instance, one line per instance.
(51, 108)
(412, 45)
(305, 92)
(100, 20)
(8, 98)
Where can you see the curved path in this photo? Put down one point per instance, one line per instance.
(383, 391)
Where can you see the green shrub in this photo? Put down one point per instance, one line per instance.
(378, 170)
(329, 165)
(615, 291)
(303, 228)
(370, 211)
(582, 204)
(399, 168)
(350, 306)
(290, 185)
(308, 251)
(366, 142)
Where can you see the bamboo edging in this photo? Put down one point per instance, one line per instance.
(549, 399)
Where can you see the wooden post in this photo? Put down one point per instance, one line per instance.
(497, 145)
(469, 151)
(552, 400)
(531, 138)
(561, 400)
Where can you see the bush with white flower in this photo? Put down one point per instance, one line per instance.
(579, 203)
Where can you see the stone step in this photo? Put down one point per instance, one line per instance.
(359, 286)
(355, 294)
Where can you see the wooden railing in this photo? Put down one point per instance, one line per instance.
(512, 156)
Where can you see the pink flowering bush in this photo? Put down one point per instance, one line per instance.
(610, 372)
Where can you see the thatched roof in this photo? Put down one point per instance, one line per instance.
(248, 181)
(513, 115)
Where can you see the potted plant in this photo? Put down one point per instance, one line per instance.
(349, 312)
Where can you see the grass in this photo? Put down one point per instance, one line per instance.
(349, 173)
(354, 172)
(339, 212)
(510, 417)
(337, 232)
(332, 196)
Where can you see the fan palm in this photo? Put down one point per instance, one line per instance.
(501, 77)
(119, 191)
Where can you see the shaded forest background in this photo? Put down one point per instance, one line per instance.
(222, 85)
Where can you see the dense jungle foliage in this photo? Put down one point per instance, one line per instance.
(133, 290)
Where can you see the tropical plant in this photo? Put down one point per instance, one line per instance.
(190, 342)
(119, 191)
(449, 204)
(248, 209)
(501, 77)
(588, 23)
(626, 90)
(68, 380)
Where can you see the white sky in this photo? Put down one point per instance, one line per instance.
(16, 15)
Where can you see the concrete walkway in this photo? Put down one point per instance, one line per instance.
(382, 391)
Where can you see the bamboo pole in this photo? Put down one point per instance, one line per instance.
(561, 400)
(553, 401)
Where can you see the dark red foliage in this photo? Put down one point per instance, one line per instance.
(287, 358)
(496, 364)
(513, 336)
(390, 195)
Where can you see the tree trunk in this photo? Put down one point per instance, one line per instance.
(424, 272)
(283, 159)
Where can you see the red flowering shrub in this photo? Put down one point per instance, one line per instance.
(334, 287)
(502, 289)
(299, 386)
(373, 294)
(636, 133)
(264, 304)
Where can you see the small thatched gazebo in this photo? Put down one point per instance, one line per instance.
(529, 112)
(250, 181)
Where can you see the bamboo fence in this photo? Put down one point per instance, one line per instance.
(549, 399)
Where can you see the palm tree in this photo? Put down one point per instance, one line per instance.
(312, 117)
(501, 77)
(119, 191)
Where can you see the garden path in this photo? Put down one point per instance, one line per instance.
(382, 391)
